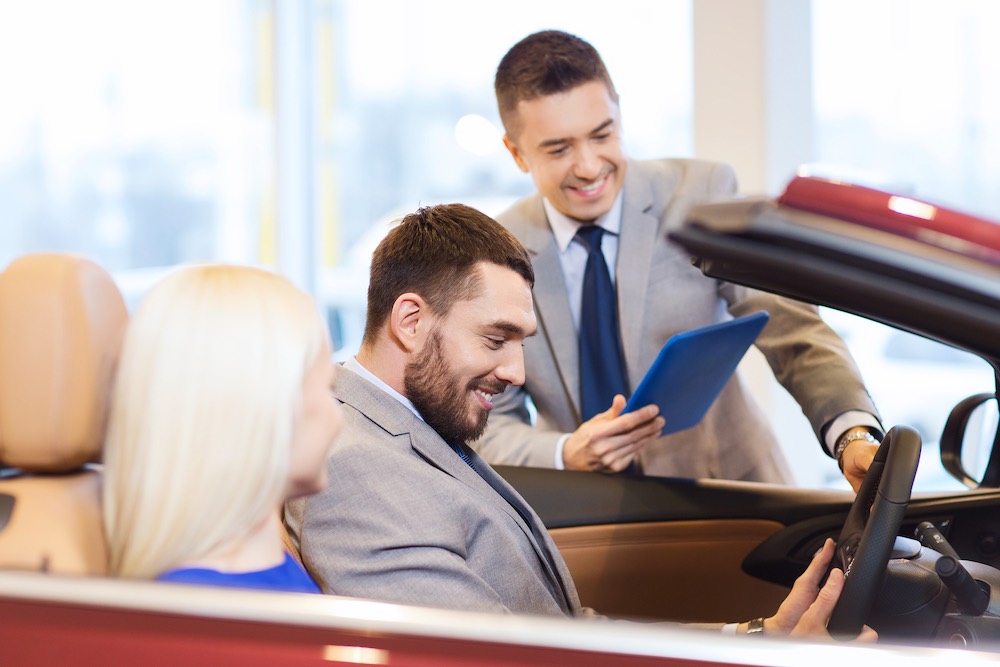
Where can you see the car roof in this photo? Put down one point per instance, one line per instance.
(917, 282)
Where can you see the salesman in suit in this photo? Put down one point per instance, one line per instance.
(560, 113)
(411, 514)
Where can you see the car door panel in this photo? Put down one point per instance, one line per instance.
(713, 550)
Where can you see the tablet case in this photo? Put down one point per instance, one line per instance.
(692, 367)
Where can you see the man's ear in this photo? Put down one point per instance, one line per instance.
(409, 321)
(515, 153)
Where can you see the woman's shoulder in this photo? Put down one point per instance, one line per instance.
(287, 576)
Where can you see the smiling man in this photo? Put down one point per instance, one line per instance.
(560, 112)
(411, 514)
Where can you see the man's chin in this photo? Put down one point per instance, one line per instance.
(589, 211)
(476, 431)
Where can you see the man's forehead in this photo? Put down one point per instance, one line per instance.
(504, 300)
(577, 111)
(500, 278)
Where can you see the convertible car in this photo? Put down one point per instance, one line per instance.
(922, 567)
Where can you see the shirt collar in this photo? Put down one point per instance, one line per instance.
(564, 228)
(355, 366)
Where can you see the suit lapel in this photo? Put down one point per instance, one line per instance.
(396, 419)
(495, 490)
(640, 235)
(552, 303)
(534, 529)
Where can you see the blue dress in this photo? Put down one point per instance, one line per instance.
(289, 576)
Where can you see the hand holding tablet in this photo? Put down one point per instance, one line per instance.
(693, 367)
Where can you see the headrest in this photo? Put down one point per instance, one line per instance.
(62, 320)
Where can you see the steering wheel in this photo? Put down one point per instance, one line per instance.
(866, 541)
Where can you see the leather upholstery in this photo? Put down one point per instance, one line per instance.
(62, 320)
(687, 570)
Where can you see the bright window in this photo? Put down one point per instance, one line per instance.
(906, 100)
(136, 133)
(906, 97)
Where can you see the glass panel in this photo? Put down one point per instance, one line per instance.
(143, 134)
(913, 381)
(980, 434)
(138, 134)
(906, 97)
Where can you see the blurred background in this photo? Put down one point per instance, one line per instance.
(291, 133)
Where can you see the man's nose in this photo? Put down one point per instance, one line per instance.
(588, 163)
(511, 369)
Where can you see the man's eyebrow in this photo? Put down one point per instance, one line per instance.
(511, 328)
(549, 143)
(603, 126)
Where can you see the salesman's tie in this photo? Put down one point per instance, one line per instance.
(602, 371)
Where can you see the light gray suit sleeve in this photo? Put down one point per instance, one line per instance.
(807, 357)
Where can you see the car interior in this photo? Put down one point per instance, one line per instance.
(922, 569)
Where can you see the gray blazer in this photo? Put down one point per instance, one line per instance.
(405, 520)
(661, 293)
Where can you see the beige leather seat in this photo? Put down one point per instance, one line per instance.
(62, 319)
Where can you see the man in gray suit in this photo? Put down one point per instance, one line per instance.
(560, 112)
(413, 515)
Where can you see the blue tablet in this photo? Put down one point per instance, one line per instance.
(692, 367)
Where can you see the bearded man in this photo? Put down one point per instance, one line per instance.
(411, 514)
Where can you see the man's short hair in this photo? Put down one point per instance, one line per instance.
(545, 63)
(434, 252)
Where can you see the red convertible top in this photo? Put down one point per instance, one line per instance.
(935, 225)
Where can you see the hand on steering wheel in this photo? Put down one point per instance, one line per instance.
(866, 541)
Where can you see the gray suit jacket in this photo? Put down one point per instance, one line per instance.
(661, 293)
(405, 520)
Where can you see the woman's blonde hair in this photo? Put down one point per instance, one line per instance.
(207, 393)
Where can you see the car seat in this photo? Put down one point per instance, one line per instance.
(62, 320)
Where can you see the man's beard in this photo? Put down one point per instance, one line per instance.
(440, 398)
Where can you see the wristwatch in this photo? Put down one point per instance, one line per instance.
(848, 439)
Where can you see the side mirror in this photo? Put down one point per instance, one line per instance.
(968, 442)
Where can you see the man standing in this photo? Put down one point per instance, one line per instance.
(560, 114)
(411, 514)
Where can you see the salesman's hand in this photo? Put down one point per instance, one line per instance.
(857, 458)
(806, 610)
(610, 440)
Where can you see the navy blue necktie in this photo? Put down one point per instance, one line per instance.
(460, 450)
(602, 370)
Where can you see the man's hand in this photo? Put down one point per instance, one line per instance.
(610, 441)
(806, 610)
(857, 458)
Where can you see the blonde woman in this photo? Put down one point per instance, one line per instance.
(222, 410)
